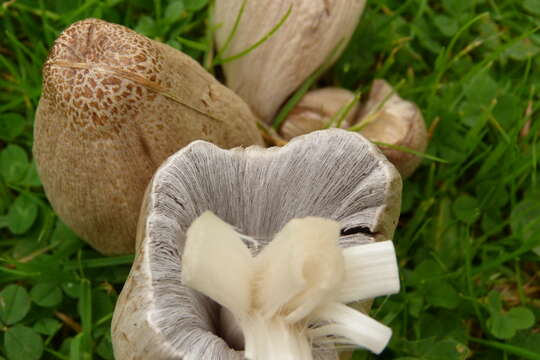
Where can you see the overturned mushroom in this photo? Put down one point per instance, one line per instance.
(331, 174)
(267, 75)
(385, 118)
(115, 104)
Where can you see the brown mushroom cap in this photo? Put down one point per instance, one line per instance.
(388, 119)
(394, 121)
(115, 104)
(316, 109)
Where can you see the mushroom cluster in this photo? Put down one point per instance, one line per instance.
(241, 251)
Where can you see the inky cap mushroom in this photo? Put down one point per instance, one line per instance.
(254, 193)
(115, 105)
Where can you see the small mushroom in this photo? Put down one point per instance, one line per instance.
(391, 120)
(333, 174)
(316, 109)
(267, 75)
(385, 118)
(115, 105)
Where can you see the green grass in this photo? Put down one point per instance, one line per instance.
(469, 228)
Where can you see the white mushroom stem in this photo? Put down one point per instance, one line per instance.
(370, 271)
(290, 296)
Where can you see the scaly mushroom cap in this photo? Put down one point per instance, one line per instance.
(332, 174)
(395, 121)
(266, 76)
(115, 104)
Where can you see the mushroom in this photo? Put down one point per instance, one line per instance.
(389, 119)
(115, 105)
(384, 118)
(316, 110)
(312, 35)
(333, 174)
